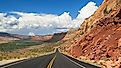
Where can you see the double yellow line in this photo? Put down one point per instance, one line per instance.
(51, 62)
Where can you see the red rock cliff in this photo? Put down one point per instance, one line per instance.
(101, 33)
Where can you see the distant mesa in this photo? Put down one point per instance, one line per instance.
(50, 38)
(45, 38)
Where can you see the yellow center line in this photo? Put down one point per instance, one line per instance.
(51, 62)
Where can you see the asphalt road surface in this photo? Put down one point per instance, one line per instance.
(55, 60)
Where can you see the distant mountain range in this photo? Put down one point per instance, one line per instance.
(4, 34)
(17, 36)
(6, 37)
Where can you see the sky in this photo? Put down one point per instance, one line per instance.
(42, 16)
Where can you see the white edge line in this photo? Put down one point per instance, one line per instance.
(13, 64)
(75, 62)
(23, 61)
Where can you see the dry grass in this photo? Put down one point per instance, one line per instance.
(29, 52)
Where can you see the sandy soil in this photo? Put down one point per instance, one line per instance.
(9, 61)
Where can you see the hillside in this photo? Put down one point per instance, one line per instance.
(22, 46)
(49, 38)
(6, 37)
(99, 37)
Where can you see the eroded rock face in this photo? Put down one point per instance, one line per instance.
(102, 41)
(119, 42)
(102, 33)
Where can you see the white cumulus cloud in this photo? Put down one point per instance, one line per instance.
(84, 13)
(40, 23)
(87, 10)
(31, 34)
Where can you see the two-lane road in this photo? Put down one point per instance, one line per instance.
(55, 60)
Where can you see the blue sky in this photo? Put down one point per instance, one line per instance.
(31, 17)
(45, 6)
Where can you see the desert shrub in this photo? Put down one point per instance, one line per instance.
(1, 58)
(10, 46)
(81, 33)
(8, 51)
(105, 59)
(92, 26)
(107, 10)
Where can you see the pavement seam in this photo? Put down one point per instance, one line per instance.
(74, 62)
(51, 62)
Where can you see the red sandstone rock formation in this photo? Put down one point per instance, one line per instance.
(102, 34)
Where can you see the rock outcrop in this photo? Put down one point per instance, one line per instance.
(101, 36)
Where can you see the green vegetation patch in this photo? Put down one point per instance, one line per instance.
(27, 49)
(10, 46)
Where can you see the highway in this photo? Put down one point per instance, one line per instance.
(55, 60)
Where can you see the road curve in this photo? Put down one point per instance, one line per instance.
(55, 60)
(39, 62)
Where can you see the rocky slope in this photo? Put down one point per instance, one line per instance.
(49, 38)
(41, 37)
(99, 37)
(6, 37)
